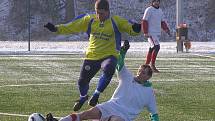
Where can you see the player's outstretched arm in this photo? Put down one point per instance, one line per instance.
(123, 50)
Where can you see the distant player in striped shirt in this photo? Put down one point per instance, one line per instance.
(152, 22)
(132, 95)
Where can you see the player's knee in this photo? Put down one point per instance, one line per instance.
(109, 70)
(109, 67)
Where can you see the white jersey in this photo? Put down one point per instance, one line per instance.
(129, 99)
(154, 17)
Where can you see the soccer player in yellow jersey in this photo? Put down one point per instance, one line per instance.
(104, 33)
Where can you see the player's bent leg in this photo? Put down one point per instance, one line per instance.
(108, 66)
(71, 117)
(154, 56)
(83, 88)
(101, 86)
(89, 69)
(79, 103)
(93, 113)
(149, 56)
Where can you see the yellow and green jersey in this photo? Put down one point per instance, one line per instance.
(104, 38)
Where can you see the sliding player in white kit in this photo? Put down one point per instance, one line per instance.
(152, 22)
(129, 99)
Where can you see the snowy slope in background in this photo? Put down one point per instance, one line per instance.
(13, 26)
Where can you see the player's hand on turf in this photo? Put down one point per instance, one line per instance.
(51, 27)
(126, 45)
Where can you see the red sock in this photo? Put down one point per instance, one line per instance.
(148, 58)
(154, 56)
(74, 117)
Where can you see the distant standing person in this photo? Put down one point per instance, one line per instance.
(151, 24)
(104, 33)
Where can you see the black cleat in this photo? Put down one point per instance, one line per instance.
(79, 103)
(49, 117)
(154, 69)
(94, 100)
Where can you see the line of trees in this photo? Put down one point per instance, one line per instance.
(41, 11)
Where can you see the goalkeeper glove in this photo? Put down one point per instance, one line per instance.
(51, 27)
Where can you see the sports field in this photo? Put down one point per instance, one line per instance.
(185, 88)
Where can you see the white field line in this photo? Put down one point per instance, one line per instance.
(207, 56)
(45, 84)
(25, 85)
(10, 114)
(18, 115)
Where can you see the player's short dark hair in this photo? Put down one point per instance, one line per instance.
(102, 4)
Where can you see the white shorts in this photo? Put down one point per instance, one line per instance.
(109, 111)
(154, 40)
(111, 118)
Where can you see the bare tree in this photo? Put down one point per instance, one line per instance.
(70, 11)
(210, 17)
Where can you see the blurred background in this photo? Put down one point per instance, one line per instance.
(23, 20)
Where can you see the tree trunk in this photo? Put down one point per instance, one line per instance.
(210, 17)
(70, 11)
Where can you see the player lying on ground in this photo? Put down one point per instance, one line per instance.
(104, 31)
(129, 99)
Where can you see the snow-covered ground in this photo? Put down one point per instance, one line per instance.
(39, 47)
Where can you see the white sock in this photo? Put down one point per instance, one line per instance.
(69, 118)
(83, 96)
(97, 92)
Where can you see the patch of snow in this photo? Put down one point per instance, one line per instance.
(80, 47)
